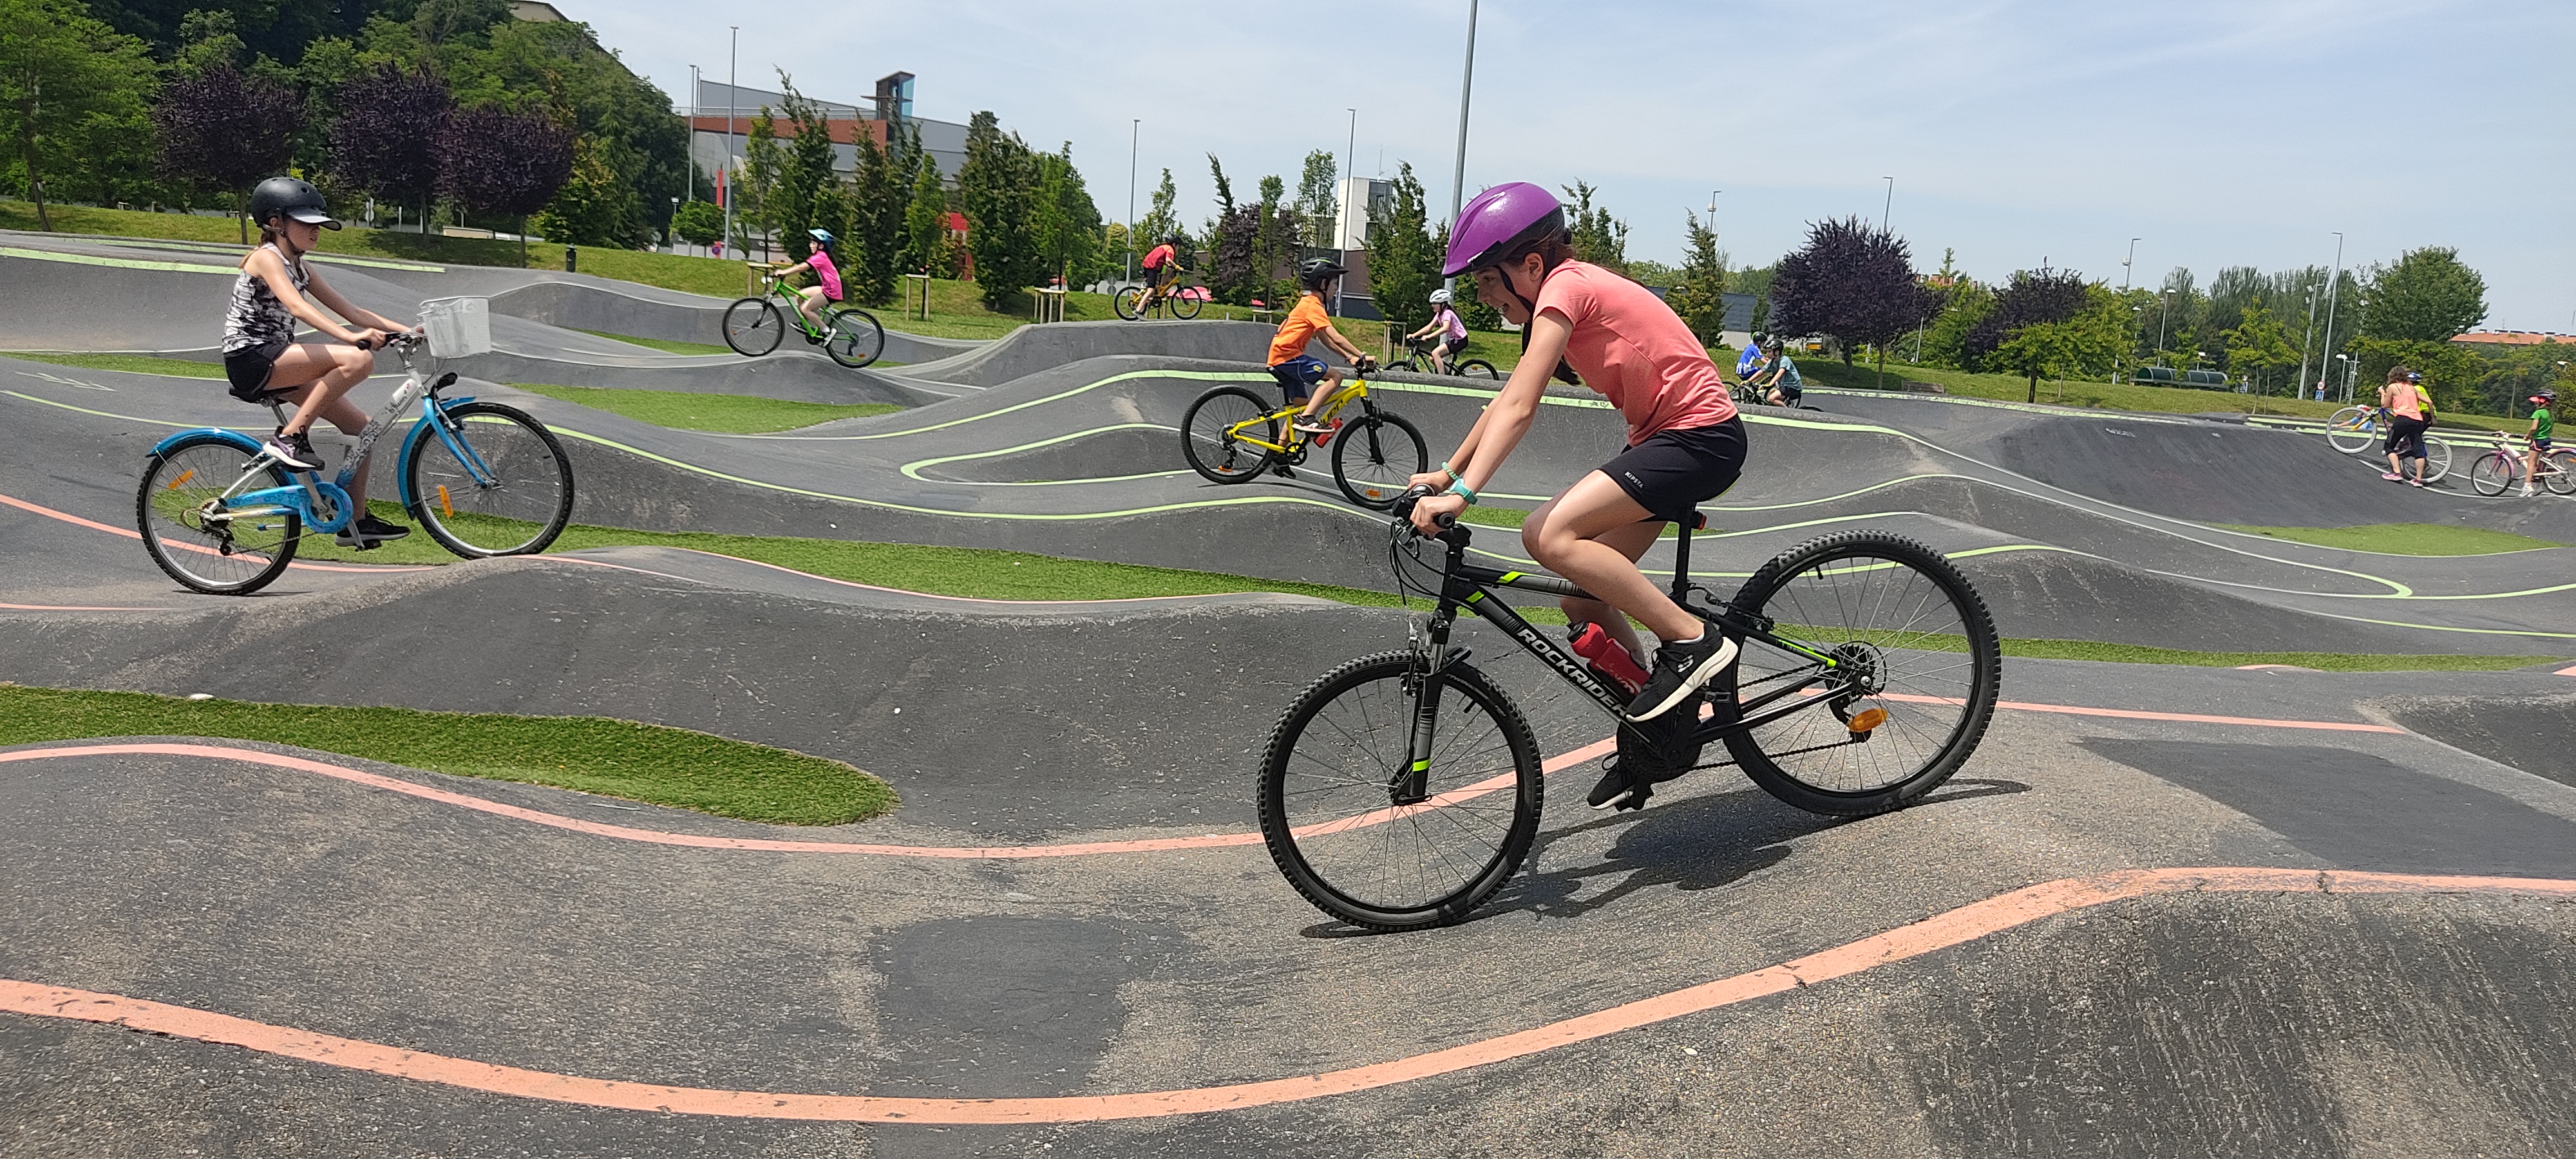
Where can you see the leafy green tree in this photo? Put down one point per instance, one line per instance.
(1403, 267)
(1598, 237)
(997, 190)
(925, 222)
(798, 201)
(62, 76)
(763, 160)
(2258, 345)
(1699, 293)
(1965, 303)
(698, 222)
(2427, 295)
(1161, 219)
(591, 208)
(1068, 224)
(1318, 201)
(879, 233)
(2082, 337)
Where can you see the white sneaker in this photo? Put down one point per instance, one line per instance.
(2528, 492)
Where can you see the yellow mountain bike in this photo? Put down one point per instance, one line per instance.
(1231, 434)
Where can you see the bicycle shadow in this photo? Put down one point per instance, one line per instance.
(1691, 844)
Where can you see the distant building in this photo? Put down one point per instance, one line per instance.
(2511, 337)
(535, 11)
(720, 122)
(1361, 198)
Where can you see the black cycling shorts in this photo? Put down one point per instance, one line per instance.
(249, 370)
(2406, 436)
(1672, 472)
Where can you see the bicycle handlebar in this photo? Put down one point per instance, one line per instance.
(1403, 510)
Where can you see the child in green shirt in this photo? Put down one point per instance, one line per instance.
(2541, 426)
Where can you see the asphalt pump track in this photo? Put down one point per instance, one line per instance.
(2165, 910)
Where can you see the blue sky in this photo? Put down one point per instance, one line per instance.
(2220, 133)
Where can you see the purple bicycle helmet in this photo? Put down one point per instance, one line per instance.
(1498, 221)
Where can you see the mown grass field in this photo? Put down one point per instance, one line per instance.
(1822, 371)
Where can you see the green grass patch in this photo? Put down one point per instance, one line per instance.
(732, 414)
(2405, 538)
(1494, 516)
(664, 345)
(2125, 396)
(594, 754)
(2322, 661)
(129, 363)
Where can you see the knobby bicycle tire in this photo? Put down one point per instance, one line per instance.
(853, 337)
(521, 506)
(1217, 458)
(753, 326)
(1936, 673)
(1327, 808)
(1391, 452)
(183, 478)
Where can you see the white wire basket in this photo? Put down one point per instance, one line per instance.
(457, 326)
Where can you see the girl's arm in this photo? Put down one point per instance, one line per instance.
(1504, 420)
(341, 306)
(272, 269)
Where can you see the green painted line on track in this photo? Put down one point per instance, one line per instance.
(118, 263)
(912, 470)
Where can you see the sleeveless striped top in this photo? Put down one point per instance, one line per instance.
(257, 319)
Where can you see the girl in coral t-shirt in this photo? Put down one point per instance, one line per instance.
(1685, 442)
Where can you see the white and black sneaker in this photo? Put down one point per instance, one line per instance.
(367, 531)
(295, 450)
(1681, 667)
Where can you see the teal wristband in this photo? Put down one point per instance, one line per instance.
(1461, 488)
(1450, 471)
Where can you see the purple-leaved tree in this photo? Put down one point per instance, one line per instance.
(386, 140)
(226, 130)
(495, 161)
(2029, 299)
(1851, 280)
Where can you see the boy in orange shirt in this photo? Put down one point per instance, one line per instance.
(1299, 373)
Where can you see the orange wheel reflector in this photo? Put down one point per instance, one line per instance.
(183, 478)
(450, 508)
(1868, 719)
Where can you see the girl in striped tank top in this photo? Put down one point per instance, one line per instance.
(274, 291)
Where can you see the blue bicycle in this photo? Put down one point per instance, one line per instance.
(223, 516)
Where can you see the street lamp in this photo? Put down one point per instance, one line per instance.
(1458, 174)
(1135, 127)
(2125, 269)
(1891, 203)
(733, 102)
(2334, 283)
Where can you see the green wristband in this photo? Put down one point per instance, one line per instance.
(1461, 488)
(1450, 471)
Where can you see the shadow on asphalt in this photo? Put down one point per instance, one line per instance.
(1692, 844)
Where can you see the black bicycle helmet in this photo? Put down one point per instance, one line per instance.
(298, 200)
(1314, 272)
(1176, 241)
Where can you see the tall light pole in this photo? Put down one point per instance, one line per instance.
(2163, 313)
(733, 98)
(1135, 128)
(1458, 172)
(1891, 204)
(2334, 283)
(2127, 267)
(1343, 226)
(2303, 340)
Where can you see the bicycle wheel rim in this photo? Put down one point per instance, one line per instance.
(1901, 613)
(1477, 368)
(1332, 824)
(2349, 435)
(1129, 303)
(174, 492)
(1217, 455)
(2437, 459)
(2563, 481)
(1185, 308)
(856, 339)
(1376, 458)
(512, 500)
(2490, 475)
(752, 327)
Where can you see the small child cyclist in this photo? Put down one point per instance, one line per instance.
(2543, 425)
(1685, 441)
(1300, 373)
(827, 282)
(1445, 323)
(273, 292)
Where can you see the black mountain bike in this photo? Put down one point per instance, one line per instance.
(1400, 790)
(1417, 358)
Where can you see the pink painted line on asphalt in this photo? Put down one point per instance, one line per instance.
(130, 533)
(1961, 926)
(2136, 714)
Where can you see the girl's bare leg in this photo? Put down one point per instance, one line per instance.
(1573, 536)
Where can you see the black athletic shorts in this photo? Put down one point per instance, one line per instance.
(249, 370)
(2406, 436)
(1672, 472)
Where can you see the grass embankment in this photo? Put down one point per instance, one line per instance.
(594, 754)
(2405, 538)
(664, 345)
(732, 414)
(1010, 575)
(1823, 371)
(129, 363)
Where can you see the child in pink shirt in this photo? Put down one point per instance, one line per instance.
(828, 279)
